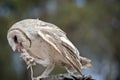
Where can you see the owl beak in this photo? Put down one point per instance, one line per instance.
(13, 48)
(19, 47)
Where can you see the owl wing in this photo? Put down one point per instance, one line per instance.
(57, 38)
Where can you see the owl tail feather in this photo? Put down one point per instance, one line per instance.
(86, 63)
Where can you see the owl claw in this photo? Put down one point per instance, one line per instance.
(28, 59)
(29, 66)
(40, 77)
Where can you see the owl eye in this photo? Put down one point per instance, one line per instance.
(15, 39)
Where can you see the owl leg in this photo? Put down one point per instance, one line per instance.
(46, 72)
(32, 77)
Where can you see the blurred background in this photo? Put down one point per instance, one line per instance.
(92, 25)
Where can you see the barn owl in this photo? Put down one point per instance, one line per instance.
(44, 43)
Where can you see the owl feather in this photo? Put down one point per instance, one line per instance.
(46, 44)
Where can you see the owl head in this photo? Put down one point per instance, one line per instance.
(18, 38)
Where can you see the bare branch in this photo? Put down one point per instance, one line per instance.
(68, 77)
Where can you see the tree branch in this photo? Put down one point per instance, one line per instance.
(68, 77)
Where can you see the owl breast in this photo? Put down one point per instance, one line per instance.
(44, 53)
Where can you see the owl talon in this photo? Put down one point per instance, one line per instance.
(31, 61)
(28, 59)
(40, 77)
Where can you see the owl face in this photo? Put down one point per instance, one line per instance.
(17, 40)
